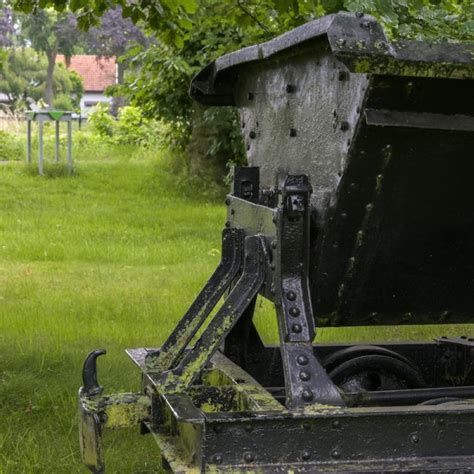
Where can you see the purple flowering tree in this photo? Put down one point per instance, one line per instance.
(6, 27)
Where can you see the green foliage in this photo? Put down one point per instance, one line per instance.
(101, 120)
(63, 102)
(23, 77)
(131, 128)
(12, 147)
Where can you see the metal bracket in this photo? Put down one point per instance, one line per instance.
(306, 380)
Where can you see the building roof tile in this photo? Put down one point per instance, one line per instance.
(98, 72)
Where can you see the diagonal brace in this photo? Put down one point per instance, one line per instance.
(231, 260)
(242, 294)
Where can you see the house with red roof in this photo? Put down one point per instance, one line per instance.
(97, 72)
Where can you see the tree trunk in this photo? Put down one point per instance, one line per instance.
(118, 102)
(48, 90)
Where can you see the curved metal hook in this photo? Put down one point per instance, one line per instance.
(89, 373)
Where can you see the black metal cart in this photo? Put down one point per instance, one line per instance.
(356, 210)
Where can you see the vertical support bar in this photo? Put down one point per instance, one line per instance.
(306, 381)
(69, 146)
(56, 147)
(40, 146)
(28, 141)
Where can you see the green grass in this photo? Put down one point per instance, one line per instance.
(110, 257)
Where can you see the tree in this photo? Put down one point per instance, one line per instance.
(23, 77)
(51, 33)
(6, 27)
(114, 37)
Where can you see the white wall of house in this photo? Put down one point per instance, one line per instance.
(90, 99)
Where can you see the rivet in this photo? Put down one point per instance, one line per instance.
(358, 110)
(249, 457)
(227, 201)
(343, 75)
(292, 132)
(295, 312)
(340, 42)
(272, 266)
(291, 295)
(344, 215)
(302, 359)
(217, 459)
(232, 211)
(217, 429)
(366, 25)
(250, 96)
(272, 290)
(274, 245)
(252, 134)
(296, 328)
(336, 424)
(243, 125)
(274, 219)
(305, 375)
(290, 88)
(359, 14)
(248, 428)
(414, 438)
(305, 455)
(335, 453)
(306, 426)
(307, 395)
(344, 126)
(227, 224)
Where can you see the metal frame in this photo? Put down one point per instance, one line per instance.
(47, 116)
(209, 414)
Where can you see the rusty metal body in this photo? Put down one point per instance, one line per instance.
(356, 209)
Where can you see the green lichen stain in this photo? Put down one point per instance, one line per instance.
(392, 66)
(125, 409)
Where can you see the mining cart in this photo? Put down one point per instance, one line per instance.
(356, 209)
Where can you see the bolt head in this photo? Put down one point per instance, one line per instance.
(336, 424)
(294, 311)
(296, 328)
(291, 295)
(305, 455)
(227, 224)
(293, 132)
(307, 395)
(249, 457)
(250, 96)
(248, 428)
(290, 88)
(302, 360)
(217, 459)
(252, 134)
(305, 375)
(414, 438)
(227, 201)
(335, 453)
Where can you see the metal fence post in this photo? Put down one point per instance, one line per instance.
(40, 146)
(69, 146)
(28, 142)
(56, 149)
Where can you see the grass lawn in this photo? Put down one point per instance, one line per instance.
(110, 257)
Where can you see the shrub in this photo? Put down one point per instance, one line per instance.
(101, 121)
(134, 128)
(63, 102)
